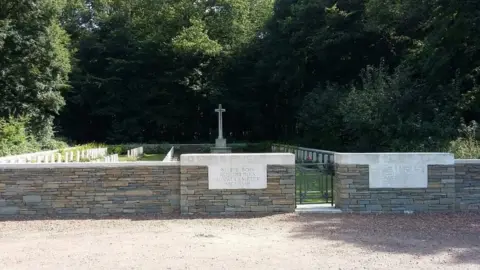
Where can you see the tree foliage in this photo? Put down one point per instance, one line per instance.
(34, 64)
(347, 75)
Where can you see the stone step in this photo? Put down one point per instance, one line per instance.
(317, 208)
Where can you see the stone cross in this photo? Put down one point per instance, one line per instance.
(220, 110)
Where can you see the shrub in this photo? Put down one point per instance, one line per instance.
(466, 146)
(117, 149)
(14, 138)
(51, 144)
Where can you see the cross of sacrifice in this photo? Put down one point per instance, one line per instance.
(220, 110)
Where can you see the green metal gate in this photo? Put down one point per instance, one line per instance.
(314, 183)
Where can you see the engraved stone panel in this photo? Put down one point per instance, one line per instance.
(396, 170)
(237, 171)
(398, 176)
(237, 176)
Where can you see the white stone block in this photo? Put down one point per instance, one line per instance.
(237, 171)
(396, 170)
(237, 176)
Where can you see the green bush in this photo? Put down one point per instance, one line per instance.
(14, 138)
(467, 146)
(51, 144)
(117, 149)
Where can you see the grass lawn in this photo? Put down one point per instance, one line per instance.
(146, 157)
(312, 185)
(152, 157)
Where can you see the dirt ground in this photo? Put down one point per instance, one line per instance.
(291, 241)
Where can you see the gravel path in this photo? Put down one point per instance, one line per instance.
(276, 242)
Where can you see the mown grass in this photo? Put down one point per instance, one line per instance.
(152, 157)
(145, 157)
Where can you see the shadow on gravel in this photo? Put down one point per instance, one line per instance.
(422, 234)
(133, 217)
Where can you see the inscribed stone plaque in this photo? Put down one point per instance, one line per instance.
(237, 176)
(396, 170)
(398, 176)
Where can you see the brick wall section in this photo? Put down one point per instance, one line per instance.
(354, 195)
(468, 186)
(279, 196)
(95, 190)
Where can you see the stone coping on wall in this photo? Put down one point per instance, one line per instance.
(88, 165)
(467, 161)
(228, 158)
(375, 158)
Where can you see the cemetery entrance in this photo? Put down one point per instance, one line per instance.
(314, 183)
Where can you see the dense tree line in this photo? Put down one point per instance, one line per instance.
(347, 75)
(34, 64)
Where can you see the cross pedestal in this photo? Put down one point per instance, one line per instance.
(220, 142)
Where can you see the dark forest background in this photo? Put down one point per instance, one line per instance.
(346, 75)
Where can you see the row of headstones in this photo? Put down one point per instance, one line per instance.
(135, 152)
(315, 156)
(71, 156)
(111, 159)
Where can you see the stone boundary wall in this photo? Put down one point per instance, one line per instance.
(467, 175)
(451, 188)
(104, 189)
(239, 183)
(197, 198)
(96, 189)
(354, 195)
